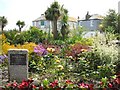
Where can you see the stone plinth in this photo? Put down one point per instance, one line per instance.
(18, 64)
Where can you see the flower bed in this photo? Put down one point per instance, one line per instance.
(104, 84)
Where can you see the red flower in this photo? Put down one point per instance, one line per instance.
(91, 86)
(23, 84)
(40, 88)
(54, 84)
(69, 82)
(14, 84)
(110, 85)
(30, 81)
(33, 86)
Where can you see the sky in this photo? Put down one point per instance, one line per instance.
(29, 10)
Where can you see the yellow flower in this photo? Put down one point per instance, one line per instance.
(84, 50)
(57, 61)
(50, 50)
(60, 67)
(99, 66)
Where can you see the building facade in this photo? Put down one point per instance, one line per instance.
(46, 25)
(92, 23)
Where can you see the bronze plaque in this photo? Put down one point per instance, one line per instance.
(17, 59)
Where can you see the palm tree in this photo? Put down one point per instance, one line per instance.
(52, 14)
(64, 22)
(20, 24)
(3, 22)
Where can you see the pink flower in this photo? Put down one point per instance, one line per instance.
(14, 84)
(8, 85)
(83, 85)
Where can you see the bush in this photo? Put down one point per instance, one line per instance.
(35, 35)
(32, 35)
(10, 35)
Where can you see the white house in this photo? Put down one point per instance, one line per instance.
(46, 25)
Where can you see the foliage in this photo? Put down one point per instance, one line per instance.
(76, 49)
(20, 24)
(10, 36)
(111, 21)
(32, 35)
(55, 12)
(3, 22)
(42, 59)
(64, 23)
(118, 23)
(76, 36)
(52, 14)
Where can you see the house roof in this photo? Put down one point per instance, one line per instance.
(96, 16)
(72, 19)
(93, 17)
(42, 17)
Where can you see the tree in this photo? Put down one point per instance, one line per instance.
(53, 13)
(119, 23)
(3, 22)
(20, 24)
(110, 21)
(64, 22)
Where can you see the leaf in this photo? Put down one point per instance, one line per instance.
(45, 82)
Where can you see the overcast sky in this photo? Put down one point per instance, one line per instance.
(28, 10)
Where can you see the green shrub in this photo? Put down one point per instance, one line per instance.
(10, 35)
(32, 35)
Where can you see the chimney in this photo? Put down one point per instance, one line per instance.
(42, 16)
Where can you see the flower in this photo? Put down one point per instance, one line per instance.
(54, 84)
(40, 50)
(33, 86)
(14, 84)
(2, 58)
(83, 85)
(110, 85)
(8, 85)
(99, 67)
(50, 50)
(57, 61)
(60, 67)
(69, 82)
(84, 50)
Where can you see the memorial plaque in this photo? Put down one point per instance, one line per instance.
(18, 64)
(17, 59)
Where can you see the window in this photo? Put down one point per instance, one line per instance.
(91, 23)
(42, 23)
